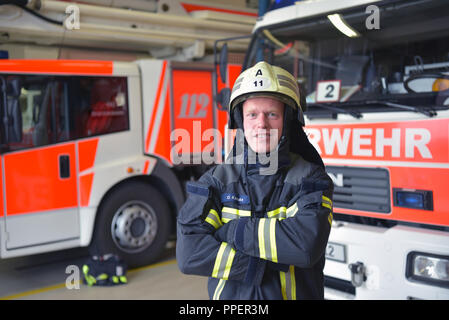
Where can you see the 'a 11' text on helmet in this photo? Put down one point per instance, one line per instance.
(265, 80)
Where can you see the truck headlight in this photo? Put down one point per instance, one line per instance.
(428, 268)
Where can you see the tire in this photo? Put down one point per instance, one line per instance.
(133, 222)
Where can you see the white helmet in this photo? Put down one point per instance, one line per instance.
(266, 80)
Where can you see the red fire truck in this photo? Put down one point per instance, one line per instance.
(87, 153)
(376, 79)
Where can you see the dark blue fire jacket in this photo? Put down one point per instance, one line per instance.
(257, 236)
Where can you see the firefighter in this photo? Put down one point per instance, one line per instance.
(258, 230)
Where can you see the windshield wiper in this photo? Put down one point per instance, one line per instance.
(332, 107)
(428, 112)
(356, 114)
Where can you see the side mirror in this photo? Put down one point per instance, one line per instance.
(223, 98)
(223, 62)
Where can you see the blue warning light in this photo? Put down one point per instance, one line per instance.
(410, 199)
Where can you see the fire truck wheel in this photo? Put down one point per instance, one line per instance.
(133, 222)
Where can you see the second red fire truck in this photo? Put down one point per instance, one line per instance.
(88, 156)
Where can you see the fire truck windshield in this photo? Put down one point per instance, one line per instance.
(402, 64)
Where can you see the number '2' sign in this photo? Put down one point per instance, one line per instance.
(328, 91)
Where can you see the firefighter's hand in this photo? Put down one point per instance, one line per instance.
(226, 232)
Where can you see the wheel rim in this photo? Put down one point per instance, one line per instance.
(134, 226)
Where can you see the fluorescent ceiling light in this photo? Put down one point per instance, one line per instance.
(342, 25)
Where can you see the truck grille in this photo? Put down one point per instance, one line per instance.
(366, 189)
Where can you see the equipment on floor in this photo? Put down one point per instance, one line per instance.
(104, 270)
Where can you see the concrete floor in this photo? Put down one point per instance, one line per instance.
(44, 277)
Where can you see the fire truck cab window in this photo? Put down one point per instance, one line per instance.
(403, 66)
(58, 109)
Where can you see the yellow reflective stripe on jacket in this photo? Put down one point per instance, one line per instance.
(279, 211)
(219, 289)
(288, 284)
(267, 239)
(283, 285)
(228, 214)
(327, 202)
(214, 219)
(223, 261)
(330, 218)
(283, 212)
(292, 210)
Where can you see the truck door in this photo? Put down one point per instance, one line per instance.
(192, 110)
(39, 178)
(181, 123)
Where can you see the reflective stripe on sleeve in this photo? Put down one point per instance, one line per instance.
(223, 261)
(279, 211)
(283, 212)
(214, 219)
(267, 239)
(292, 210)
(228, 214)
(327, 205)
(327, 202)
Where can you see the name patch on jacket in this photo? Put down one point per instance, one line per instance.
(233, 197)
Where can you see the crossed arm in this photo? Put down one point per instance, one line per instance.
(211, 246)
